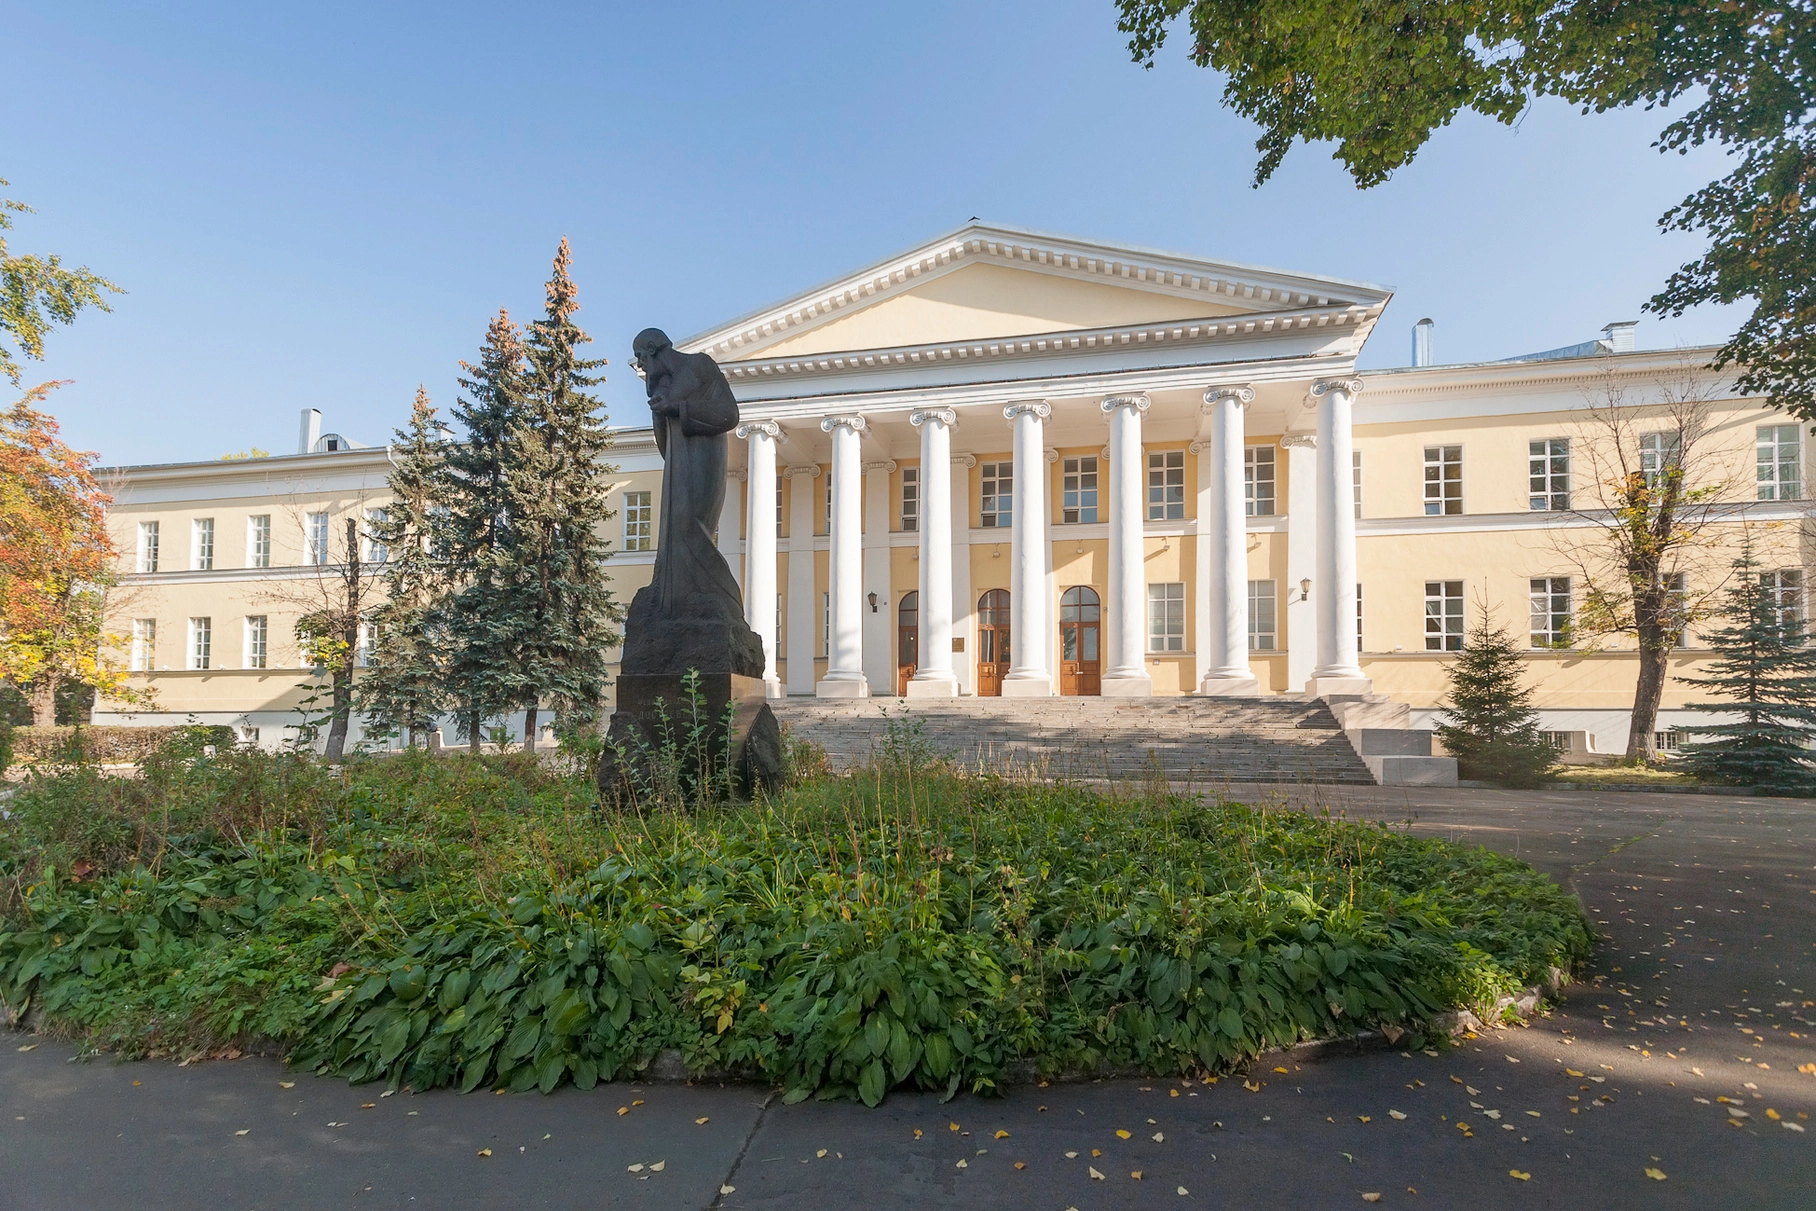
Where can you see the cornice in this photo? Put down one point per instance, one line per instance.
(1181, 333)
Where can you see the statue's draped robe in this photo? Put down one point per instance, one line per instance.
(692, 579)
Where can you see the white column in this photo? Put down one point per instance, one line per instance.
(1028, 638)
(1202, 568)
(878, 612)
(1125, 612)
(1301, 633)
(845, 572)
(1227, 581)
(729, 508)
(1334, 582)
(803, 602)
(963, 603)
(933, 675)
(760, 544)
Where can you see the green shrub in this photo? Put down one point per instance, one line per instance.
(476, 923)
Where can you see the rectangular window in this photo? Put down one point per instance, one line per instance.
(201, 642)
(637, 523)
(1258, 481)
(1443, 615)
(828, 528)
(1078, 490)
(144, 644)
(1658, 453)
(201, 544)
(1443, 480)
(1548, 474)
(315, 531)
(258, 636)
(1669, 740)
(1264, 628)
(1780, 477)
(1785, 588)
(826, 625)
(148, 546)
(376, 551)
(997, 500)
(1166, 485)
(1560, 741)
(1359, 618)
(258, 541)
(1551, 612)
(368, 643)
(1677, 601)
(781, 521)
(911, 499)
(1355, 475)
(1166, 617)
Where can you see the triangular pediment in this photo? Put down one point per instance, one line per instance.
(985, 282)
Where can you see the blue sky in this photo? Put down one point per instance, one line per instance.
(322, 204)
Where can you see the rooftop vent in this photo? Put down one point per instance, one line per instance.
(1421, 342)
(310, 432)
(1619, 335)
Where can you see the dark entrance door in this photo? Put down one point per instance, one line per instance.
(992, 642)
(907, 641)
(1080, 623)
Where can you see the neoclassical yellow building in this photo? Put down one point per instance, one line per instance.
(1008, 463)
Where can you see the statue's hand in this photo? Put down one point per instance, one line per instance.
(661, 405)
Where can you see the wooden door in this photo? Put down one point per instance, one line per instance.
(992, 642)
(1080, 642)
(907, 641)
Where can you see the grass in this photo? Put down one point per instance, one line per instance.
(477, 922)
(1624, 775)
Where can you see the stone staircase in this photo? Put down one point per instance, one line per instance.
(1188, 741)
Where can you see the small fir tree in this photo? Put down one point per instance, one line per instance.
(1766, 671)
(1493, 728)
(405, 688)
(563, 612)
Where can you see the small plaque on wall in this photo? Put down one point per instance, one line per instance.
(958, 644)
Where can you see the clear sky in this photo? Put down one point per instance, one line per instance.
(321, 204)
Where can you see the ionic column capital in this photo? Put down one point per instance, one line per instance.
(1323, 386)
(944, 416)
(1299, 441)
(811, 471)
(768, 428)
(1052, 454)
(850, 420)
(1241, 393)
(887, 464)
(964, 460)
(741, 474)
(1040, 409)
(1200, 446)
(1110, 403)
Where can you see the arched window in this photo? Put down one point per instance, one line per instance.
(993, 608)
(1079, 604)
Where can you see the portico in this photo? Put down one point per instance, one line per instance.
(1022, 466)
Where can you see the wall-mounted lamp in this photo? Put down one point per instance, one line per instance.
(996, 552)
(1081, 549)
(1305, 589)
(1166, 542)
(873, 603)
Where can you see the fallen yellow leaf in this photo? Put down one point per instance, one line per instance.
(1372, 1197)
(702, 1121)
(1519, 1176)
(280, 1084)
(1364, 1118)
(1135, 1173)
(1534, 1113)
(1183, 1192)
(1657, 1175)
(368, 1105)
(1159, 1138)
(29, 1047)
(1121, 1134)
(1172, 1093)
(1771, 1114)
(1807, 1069)
(728, 1189)
(1279, 1070)
(1095, 1175)
(658, 1167)
(962, 1165)
(636, 1168)
(821, 1152)
(1021, 1164)
(1002, 1135)
(1096, 1152)
(638, 1102)
(623, 1110)
(484, 1152)
(1571, 1072)
(243, 1131)
(1396, 1114)
(952, 1126)
(917, 1133)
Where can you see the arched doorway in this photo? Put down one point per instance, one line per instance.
(1080, 623)
(907, 641)
(992, 642)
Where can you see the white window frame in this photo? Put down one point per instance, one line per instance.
(1166, 617)
(144, 653)
(1786, 588)
(1553, 612)
(996, 495)
(258, 641)
(1659, 451)
(1263, 616)
(826, 626)
(1166, 485)
(1677, 597)
(1443, 481)
(201, 544)
(1081, 486)
(258, 540)
(1355, 475)
(1548, 474)
(1778, 457)
(911, 499)
(1260, 481)
(368, 644)
(148, 547)
(639, 521)
(201, 643)
(316, 541)
(376, 551)
(1445, 620)
(1359, 646)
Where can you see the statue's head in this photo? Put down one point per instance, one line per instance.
(648, 346)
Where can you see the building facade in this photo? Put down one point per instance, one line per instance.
(1012, 464)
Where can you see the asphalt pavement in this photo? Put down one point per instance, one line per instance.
(1668, 1078)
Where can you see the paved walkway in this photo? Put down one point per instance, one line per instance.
(1706, 989)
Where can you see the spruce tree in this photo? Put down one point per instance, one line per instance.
(562, 609)
(1493, 728)
(1766, 672)
(485, 672)
(406, 686)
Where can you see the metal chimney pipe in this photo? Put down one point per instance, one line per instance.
(310, 432)
(1421, 342)
(1619, 335)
